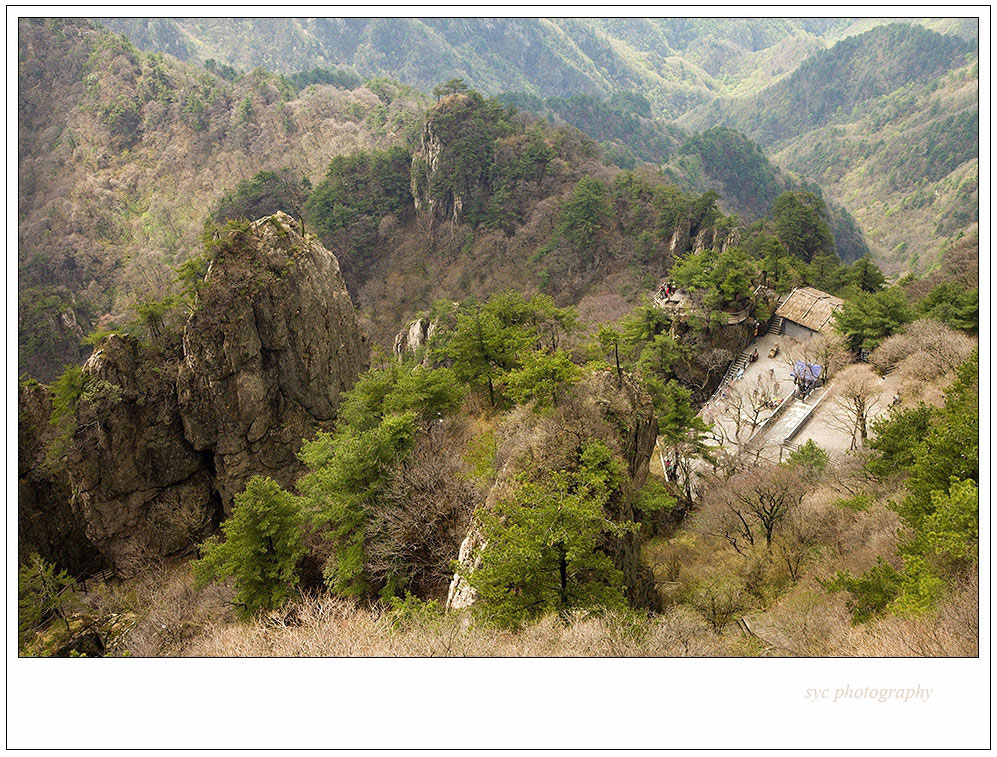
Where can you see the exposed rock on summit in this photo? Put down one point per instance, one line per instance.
(273, 343)
(160, 438)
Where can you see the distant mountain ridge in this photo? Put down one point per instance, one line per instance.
(829, 85)
(678, 63)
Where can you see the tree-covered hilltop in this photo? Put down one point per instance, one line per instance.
(222, 137)
(621, 123)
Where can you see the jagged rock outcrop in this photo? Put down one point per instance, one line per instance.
(161, 437)
(414, 338)
(707, 237)
(623, 417)
(46, 524)
(139, 487)
(461, 594)
(273, 343)
(446, 186)
(712, 238)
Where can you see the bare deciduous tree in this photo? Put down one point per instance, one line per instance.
(805, 529)
(855, 395)
(416, 529)
(828, 350)
(811, 624)
(747, 508)
(711, 359)
(926, 351)
(719, 601)
(736, 416)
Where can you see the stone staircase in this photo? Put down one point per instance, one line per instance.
(775, 326)
(735, 366)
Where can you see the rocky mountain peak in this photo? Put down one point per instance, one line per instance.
(273, 343)
(162, 439)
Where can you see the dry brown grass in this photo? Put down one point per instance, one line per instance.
(327, 627)
(952, 631)
(165, 613)
(168, 617)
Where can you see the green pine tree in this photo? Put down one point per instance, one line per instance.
(264, 542)
(542, 551)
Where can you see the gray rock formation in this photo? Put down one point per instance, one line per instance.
(710, 238)
(461, 594)
(273, 343)
(162, 437)
(679, 241)
(414, 337)
(139, 487)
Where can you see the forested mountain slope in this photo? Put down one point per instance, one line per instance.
(397, 348)
(122, 153)
(720, 159)
(905, 164)
(829, 85)
(887, 123)
(783, 82)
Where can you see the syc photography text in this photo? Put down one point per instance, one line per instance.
(869, 693)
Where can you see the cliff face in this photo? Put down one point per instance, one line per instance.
(711, 238)
(138, 485)
(266, 355)
(163, 438)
